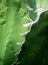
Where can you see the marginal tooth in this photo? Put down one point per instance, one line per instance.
(29, 8)
(16, 53)
(41, 10)
(24, 34)
(38, 10)
(28, 24)
(20, 44)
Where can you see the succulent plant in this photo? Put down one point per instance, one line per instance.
(23, 22)
(13, 14)
(35, 48)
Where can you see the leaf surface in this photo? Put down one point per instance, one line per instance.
(13, 14)
(35, 49)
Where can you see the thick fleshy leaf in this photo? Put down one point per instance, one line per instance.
(13, 14)
(36, 5)
(35, 49)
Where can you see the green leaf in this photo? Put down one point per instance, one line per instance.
(35, 49)
(36, 5)
(13, 14)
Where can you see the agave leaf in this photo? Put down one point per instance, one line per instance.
(36, 5)
(35, 49)
(13, 14)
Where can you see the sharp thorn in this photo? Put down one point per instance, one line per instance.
(24, 34)
(21, 43)
(29, 8)
(16, 53)
(41, 10)
(28, 24)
